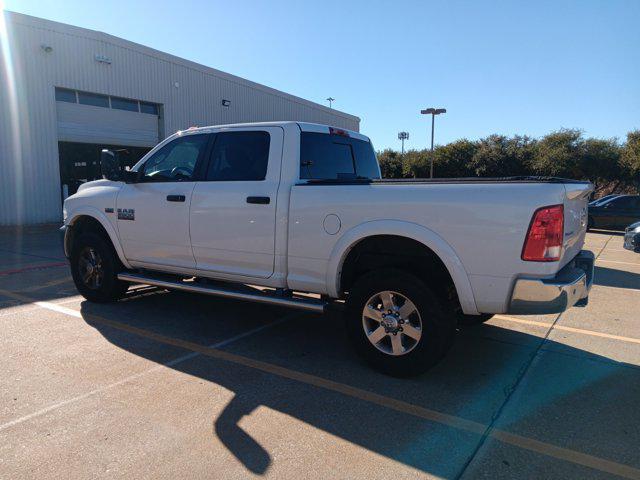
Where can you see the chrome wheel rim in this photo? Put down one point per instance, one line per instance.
(392, 323)
(90, 268)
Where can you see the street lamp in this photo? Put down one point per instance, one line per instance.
(433, 112)
(331, 100)
(402, 136)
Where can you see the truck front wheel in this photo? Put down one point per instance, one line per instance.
(397, 323)
(94, 268)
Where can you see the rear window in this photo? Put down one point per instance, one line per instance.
(330, 157)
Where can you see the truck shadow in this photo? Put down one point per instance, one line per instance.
(472, 382)
(610, 277)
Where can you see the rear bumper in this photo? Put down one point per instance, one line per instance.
(569, 287)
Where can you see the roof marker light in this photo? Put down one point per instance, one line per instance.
(338, 131)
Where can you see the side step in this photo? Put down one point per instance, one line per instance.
(166, 281)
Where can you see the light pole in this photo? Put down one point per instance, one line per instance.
(402, 136)
(433, 112)
(331, 100)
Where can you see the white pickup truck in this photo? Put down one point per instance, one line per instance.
(274, 212)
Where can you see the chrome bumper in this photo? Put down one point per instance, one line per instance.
(569, 287)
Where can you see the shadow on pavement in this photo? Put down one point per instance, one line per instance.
(577, 397)
(610, 277)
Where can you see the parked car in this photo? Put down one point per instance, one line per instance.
(603, 199)
(615, 213)
(632, 237)
(300, 208)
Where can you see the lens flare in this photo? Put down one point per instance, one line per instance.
(12, 153)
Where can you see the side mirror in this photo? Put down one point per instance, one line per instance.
(110, 166)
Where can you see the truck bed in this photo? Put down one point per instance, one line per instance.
(413, 181)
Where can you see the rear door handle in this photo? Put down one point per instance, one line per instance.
(176, 198)
(259, 200)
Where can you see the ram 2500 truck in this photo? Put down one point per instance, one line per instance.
(273, 212)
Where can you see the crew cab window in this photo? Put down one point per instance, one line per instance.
(330, 157)
(239, 156)
(176, 161)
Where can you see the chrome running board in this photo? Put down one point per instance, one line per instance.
(242, 293)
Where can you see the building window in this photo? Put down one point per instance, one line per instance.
(65, 95)
(93, 99)
(146, 107)
(105, 101)
(124, 104)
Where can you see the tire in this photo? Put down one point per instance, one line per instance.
(469, 320)
(403, 354)
(94, 268)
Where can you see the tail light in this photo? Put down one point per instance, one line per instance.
(544, 238)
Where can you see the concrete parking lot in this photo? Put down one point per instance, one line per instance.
(172, 385)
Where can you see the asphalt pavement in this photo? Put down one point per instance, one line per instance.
(175, 385)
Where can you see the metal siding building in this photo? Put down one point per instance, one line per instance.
(149, 95)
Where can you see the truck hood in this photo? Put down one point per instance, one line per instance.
(97, 183)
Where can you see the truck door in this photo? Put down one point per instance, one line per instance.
(233, 209)
(153, 214)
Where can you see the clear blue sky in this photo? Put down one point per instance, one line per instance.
(526, 67)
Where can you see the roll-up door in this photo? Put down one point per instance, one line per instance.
(91, 124)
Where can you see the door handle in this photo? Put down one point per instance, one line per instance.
(259, 200)
(176, 198)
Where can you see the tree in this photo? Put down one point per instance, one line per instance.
(600, 163)
(416, 164)
(630, 158)
(611, 167)
(454, 159)
(499, 156)
(558, 154)
(390, 163)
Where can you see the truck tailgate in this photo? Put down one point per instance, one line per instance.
(575, 219)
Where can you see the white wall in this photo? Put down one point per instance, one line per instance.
(29, 180)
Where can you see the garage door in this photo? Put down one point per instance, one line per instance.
(103, 122)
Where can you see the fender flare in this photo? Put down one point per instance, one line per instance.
(87, 211)
(411, 230)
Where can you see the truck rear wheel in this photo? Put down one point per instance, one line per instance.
(95, 267)
(397, 323)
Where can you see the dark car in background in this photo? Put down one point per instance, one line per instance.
(615, 213)
(600, 200)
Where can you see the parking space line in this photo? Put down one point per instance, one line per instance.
(130, 378)
(67, 311)
(625, 289)
(568, 329)
(31, 309)
(39, 266)
(604, 246)
(617, 261)
(52, 283)
(460, 423)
